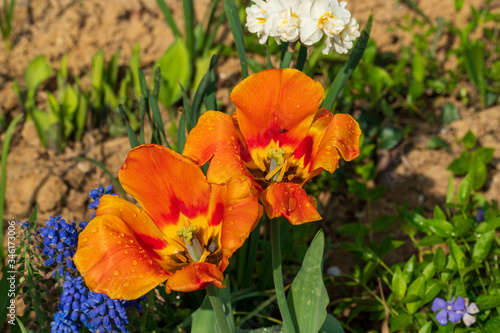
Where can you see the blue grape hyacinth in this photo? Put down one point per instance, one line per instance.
(96, 195)
(60, 240)
(103, 314)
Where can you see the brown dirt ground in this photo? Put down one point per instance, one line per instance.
(59, 184)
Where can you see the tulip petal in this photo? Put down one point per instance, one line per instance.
(215, 138)
(342, 133)
(240, 212)
(166, 184)
(195, 277)
(291, 201)
(276, 105)
(113, 256)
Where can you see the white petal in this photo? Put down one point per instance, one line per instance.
(472, 308)
(468, 319)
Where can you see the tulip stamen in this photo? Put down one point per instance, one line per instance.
(192, 244)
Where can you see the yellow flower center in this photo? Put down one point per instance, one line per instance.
(192, 244)
(278, 165)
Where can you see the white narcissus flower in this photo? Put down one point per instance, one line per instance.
(324, 17)
(307, 20)
(284, 22)
(343, 42)
(257, 18)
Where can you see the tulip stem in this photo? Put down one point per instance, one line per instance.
(278, 277)
(218, 306)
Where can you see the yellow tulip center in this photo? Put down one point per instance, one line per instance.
(192, 244)
(278, 164)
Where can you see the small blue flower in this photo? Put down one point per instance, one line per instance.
(479, 215)
(67, 318)
(103, 314)
(452, 310)
(96, 195)
(60, 239)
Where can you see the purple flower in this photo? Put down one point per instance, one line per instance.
(452, 310)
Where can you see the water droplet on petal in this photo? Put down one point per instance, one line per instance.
(134, 262)
(116, 272)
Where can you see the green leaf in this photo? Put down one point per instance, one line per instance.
(415, 90)
(469, 140)
(21, 325)
(457, 254)
(475, 66)
(399, 283)
(367, 171)
(346, 71)
(418, 67)
(131, 135)
(450, 190)
(483, 246)
(465, 189)
(175, 69)
(169, 18)
(204, 318)
(308, 297)
(389, 137)
(485, 302)
(383, 223)
(417, 288)
(441, 228)
(459, 4)
(81, 115)
(235, 26)
(450, 113)
(97, 79)
(437, 143)
(460, 165)
(479, 173)
(409, 268)
(439, 259)
(135, 65)
(483, 154)
(427, 328)
(36, 73)
(439, 214)
(399, 322)
(331, 325)
(432, 288)
(488, 225)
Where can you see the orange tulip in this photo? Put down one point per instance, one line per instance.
(186, 228)
(280, 135)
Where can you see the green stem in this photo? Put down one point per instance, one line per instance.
(287, 58)
(217, 305)
(278, 277)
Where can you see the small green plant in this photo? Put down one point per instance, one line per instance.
(6, 16)
(454, 260)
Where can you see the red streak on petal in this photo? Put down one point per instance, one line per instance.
(304, 149)
(177, 207)
(217, 215)
(150, 244)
